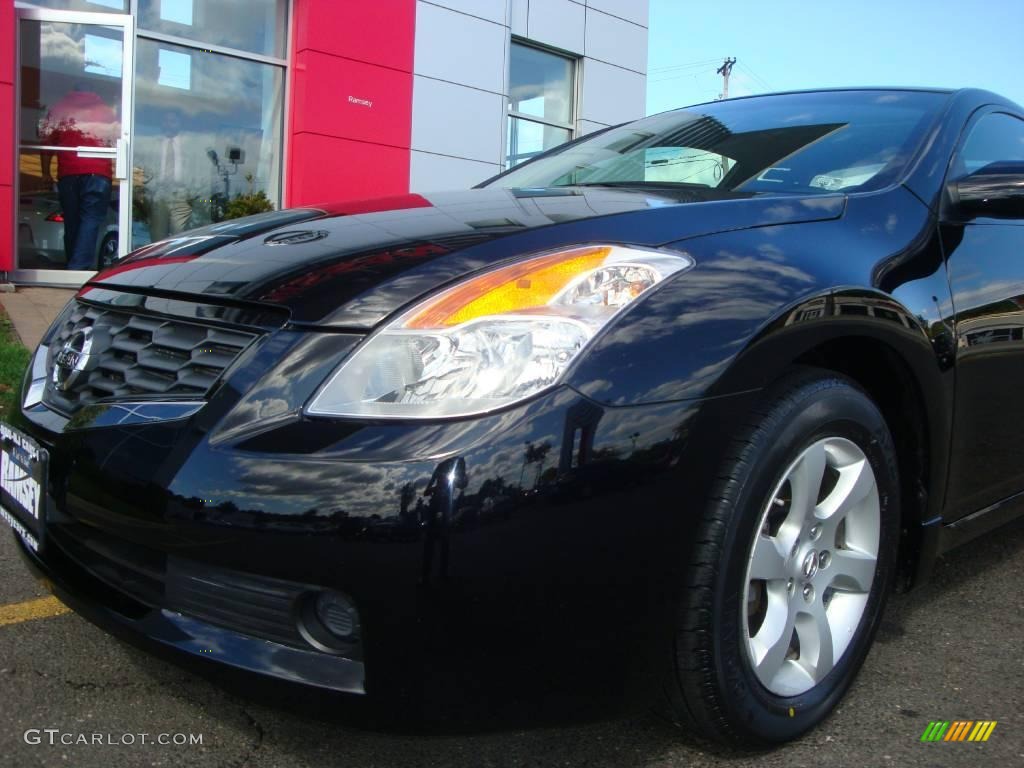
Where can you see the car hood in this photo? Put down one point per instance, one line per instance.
(351, 265)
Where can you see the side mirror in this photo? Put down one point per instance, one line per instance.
(995, 190)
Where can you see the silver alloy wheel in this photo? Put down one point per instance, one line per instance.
(811, 566)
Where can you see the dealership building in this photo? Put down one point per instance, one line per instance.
(201, 110)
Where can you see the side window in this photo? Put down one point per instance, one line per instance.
(995, 138)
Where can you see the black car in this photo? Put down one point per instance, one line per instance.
(677, 403)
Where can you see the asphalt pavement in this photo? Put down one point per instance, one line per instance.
(951, 650)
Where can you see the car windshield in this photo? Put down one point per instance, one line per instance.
(806, 142)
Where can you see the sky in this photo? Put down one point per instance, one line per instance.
(784, 45)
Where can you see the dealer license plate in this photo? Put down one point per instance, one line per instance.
(22, 484)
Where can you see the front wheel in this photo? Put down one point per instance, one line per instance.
(796, 554)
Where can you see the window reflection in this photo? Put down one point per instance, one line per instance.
(59, 59)
(207, 133)
(69, 120)
(996, 138)
(257, 26)
(41, 217)
(541, 84)
(94, 6)
(526, 139)
(540, 102)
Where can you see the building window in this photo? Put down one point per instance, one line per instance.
(201, 130)
(207, 129)
(95, 6)
(540, 110)
(255, 26)
(209, 112)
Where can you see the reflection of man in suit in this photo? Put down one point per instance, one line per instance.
(172, 208)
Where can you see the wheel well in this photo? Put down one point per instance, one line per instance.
(885, 376)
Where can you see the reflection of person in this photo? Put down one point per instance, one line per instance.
(172, 208)
(80, 119)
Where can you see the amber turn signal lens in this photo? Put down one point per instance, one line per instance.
(515, 288)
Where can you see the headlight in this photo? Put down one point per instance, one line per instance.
(494, 339)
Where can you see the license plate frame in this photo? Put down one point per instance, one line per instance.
(23, 491)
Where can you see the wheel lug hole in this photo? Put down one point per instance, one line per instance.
(789, 586)
(824, 558)
(815, 532)
(808, 593)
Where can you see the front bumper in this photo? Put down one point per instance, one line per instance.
(550, 532)
(164, 630)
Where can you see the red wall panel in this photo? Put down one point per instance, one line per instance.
(351, 100)
(7, 112)
(6, 134)
(6, 41)
(6, 229)
(374, 31)
(325, 169)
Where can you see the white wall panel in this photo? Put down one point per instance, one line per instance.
(631, 10)
(430, 173)
(611, 94)
(615, 41)
(518, 15)
(492, 10)
(558, 23)
(459, 48)
(583, 127)
(455, 120)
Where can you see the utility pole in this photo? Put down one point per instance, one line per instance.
(725, 70)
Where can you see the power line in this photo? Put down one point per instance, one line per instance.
(694, 71)
(746, 68)
(691, 75)
(758, 79)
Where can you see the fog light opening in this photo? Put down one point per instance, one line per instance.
(329, 621)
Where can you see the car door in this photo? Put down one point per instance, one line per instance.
(985, 258)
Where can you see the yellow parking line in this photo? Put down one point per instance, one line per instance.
(43, 608)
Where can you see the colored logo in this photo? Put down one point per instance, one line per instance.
(959, 730)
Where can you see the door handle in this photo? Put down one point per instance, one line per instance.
(95, 151)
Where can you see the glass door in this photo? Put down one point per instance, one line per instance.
(74, 114)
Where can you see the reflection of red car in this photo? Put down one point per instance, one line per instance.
(41, 233)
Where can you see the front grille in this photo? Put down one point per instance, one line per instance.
(257, 606)
(253, 605)
(133, 355)
(132, 569)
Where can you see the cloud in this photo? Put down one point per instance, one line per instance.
(57, 46)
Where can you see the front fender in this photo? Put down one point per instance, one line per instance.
(761, 300)
(692, 337)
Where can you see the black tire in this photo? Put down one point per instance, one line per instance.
(712, 687)
(108, 251)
